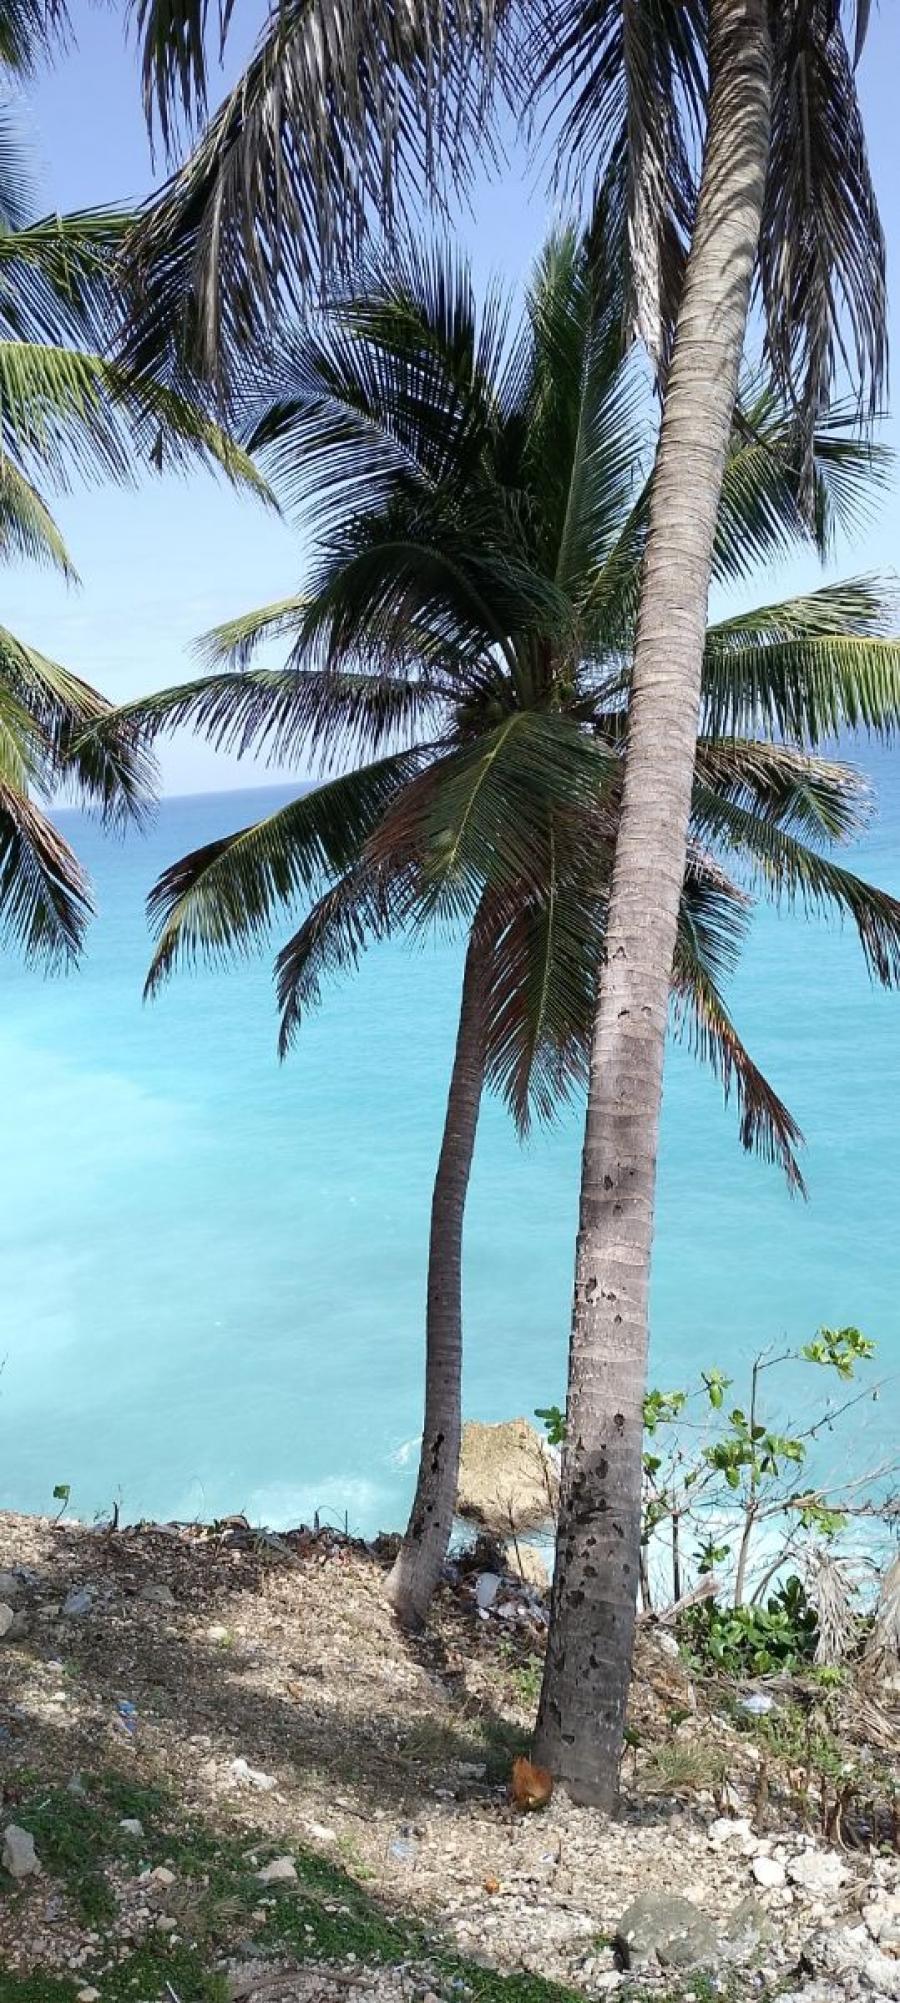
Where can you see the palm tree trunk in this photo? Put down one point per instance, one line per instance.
(582, 1711)
(419, 1562)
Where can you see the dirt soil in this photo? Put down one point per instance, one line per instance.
(262, 1688)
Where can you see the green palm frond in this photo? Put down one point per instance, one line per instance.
(585, 418)
(790, 873)
(480, 817)
(701, 1019)
(27, 528)
(65, 412)
(364, 905)
(806, 670)
(822, 800)
(221, 899)
(712, 926)
(233, 642)
(783, 486)
(541, 957)
(110, 772)
(44, 896)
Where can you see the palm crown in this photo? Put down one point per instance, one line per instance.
(349, 109)
(481, 503)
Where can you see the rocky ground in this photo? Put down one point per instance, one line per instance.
(226, 1772)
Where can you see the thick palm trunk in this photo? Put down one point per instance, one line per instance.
(582, 1711)
(420, 1560)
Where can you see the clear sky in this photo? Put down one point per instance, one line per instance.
(162, 563)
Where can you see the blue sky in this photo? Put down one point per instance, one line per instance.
(161, 563)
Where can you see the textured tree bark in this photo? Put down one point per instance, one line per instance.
(419, 1562)
(582, 1711)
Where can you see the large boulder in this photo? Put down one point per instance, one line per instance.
(508, 1478)
(662, 1930)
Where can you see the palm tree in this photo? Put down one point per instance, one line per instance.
(733, 131)
(468, 631)
(66, 410)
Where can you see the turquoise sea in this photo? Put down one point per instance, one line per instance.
(213, 1265)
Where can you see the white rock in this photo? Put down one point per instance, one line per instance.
(166, 1923)
(218, 1634)
(7, 1618)
(882, 1972)
(88, 1996)
(10, 1586)
(281, 1871)
(819, 1872)
(730, 1829)
(320, 1832)
(487, 1586)
(19, 1857)
(162, 1875)
(252, 1776)
(131, 1825)
(769, 1874)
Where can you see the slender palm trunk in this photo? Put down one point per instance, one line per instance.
(419, 1562)
(582, 1711)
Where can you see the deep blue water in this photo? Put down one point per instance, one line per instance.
(213, 1265)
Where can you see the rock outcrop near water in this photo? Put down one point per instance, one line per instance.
(508, 1477)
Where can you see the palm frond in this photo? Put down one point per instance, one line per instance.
(109, 771)
(822, 254)
(784, 486)
(822, 800)
(541, 956)
(344, 113)
(805, 670)
(400, 385)
(479, 817)
(221, 899)
(27, 528)
(363, 906)
(28, 30)
(44, 895)
(789, 872)
(585, 416)
(628, 83)
(702, 1022)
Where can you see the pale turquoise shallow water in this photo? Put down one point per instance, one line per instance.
(213, 1266)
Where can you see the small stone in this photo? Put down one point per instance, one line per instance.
(10, 1587)
(819, 1872)
(79, 1600)
(162, 1875)
(666, 1643)
(320, 1832)
(252, 1776)
(609, 1980)
(165, 1923)
(88, 1996)
(218, 1634)
(7, 1618)
(281, 1871)
(131, 1825)
(487, 1586)
(727, 1829)
(769, 1874)
(18, 1856)
(471, 1769)
(158, 1596)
